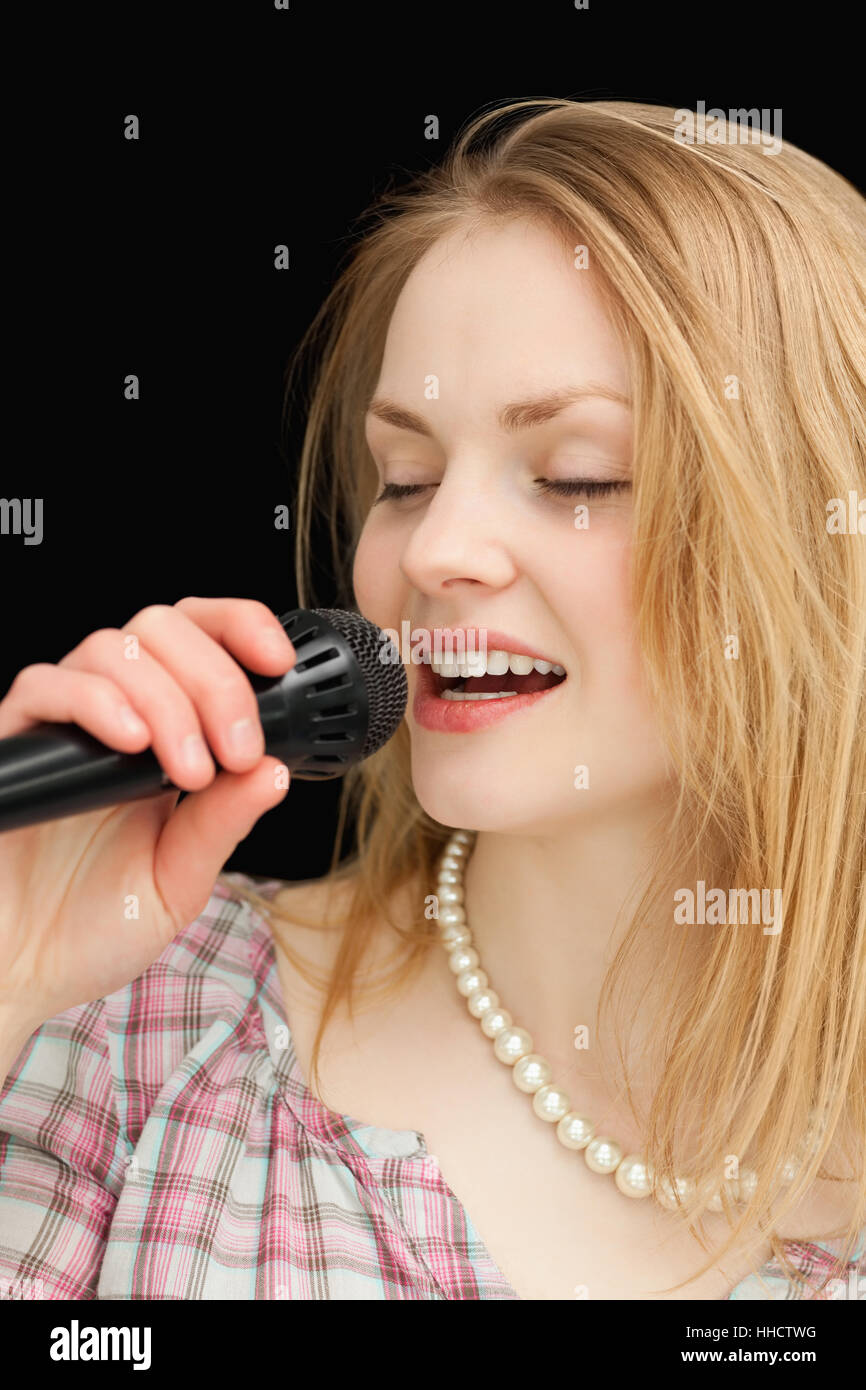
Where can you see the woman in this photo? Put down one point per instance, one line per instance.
(588, 391)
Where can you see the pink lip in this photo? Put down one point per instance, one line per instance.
(440, 716)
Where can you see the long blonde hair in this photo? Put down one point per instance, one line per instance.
(737, 278)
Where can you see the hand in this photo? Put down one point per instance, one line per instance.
(90, 901)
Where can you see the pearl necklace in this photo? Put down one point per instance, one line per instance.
(532, 1073)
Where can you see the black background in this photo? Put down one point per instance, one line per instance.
(155, 257)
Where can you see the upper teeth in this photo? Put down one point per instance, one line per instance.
(494, 663)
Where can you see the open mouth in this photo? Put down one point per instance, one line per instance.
(495, 675)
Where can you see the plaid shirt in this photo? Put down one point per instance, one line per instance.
(162, 1143)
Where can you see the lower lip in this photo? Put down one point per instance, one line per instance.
(440, 716)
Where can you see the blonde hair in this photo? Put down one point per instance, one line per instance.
(736, 277)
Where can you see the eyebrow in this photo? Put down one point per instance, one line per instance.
(519, 415)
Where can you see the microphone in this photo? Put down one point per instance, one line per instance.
(341, 701)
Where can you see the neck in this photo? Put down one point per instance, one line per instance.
(547, 913)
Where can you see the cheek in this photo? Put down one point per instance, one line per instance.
(376, 576)
(588, 583)
(593, 584)
(617, 624)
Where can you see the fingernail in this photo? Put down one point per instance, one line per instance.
(194, 753)
(276, 643)
(244, 737)
(130, 721)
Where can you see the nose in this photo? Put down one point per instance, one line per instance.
(462, 536)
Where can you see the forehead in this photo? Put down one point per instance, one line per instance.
(501, 304)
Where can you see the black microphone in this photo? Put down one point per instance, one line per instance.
(341, 701)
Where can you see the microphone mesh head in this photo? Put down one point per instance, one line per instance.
(387, 687)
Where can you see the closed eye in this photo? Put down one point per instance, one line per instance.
(577, 487)
(392, 492)
(558, 487)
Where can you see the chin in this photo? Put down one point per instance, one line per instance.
(512, 796)
(455, 795)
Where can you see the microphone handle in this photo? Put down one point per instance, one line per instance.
(56, 770)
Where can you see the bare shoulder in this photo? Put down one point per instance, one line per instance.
(310, 917)
(826, 1208)
(313, 917)
(314, 900)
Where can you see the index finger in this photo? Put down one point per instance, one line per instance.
(246, 628)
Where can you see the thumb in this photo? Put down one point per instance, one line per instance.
(204, 830)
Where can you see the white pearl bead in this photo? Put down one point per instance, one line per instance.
(480, 1000)
(449, 876)
(531, 1072)
(449, 894)
(575, 1131)
(603, 1155)
(451, 913)
(746, 1184)
(665, 1195)
(494, 1021)
(462, 958)
(512, 1044)
(470, 980)
(454, 934)
(633, 1177)
(450, 861)
(550, 1103)
(456, 850)
(463, 837)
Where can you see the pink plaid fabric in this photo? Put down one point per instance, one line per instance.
(162, 1143)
